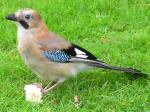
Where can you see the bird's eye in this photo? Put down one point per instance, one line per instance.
(27, 17)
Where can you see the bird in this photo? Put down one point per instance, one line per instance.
(50, 56)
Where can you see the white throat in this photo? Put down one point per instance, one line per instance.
(22, 32)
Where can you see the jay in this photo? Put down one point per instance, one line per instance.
(51, 57)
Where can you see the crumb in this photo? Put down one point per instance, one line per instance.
(77, 102)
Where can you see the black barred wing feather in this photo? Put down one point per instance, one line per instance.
(57, 56)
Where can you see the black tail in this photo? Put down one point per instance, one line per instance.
(136, 73)
(100, 64)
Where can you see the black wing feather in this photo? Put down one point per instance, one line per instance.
(73, 53)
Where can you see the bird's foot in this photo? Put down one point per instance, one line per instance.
(43, 90)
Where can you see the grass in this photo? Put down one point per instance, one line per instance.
(116, 31)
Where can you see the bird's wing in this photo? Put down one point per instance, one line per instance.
(72, 54)
(59, 50)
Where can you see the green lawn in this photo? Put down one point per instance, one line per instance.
(116, 31)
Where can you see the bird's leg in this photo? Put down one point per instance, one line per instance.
(50, 84)
(56, 83)
(45, 91)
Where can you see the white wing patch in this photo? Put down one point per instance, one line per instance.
(80, 53)
(81, 56)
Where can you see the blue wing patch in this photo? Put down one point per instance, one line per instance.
(57, 56)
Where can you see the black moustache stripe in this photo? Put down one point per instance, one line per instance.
(24, 24)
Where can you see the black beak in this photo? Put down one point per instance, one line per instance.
(11, 17)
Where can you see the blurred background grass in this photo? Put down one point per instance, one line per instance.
(116, 31)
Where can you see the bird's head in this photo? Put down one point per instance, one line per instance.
(26, 18)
